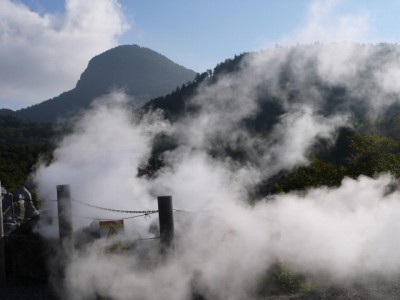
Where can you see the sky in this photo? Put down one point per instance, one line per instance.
(46, 44)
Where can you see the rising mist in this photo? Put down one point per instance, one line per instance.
(225, 244)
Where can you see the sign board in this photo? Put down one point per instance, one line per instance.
(109, 229)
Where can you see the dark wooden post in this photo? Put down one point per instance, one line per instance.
(166, 217)
(2, 252)
(12, 207)
(64, 213)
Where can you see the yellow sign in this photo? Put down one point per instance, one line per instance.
(110, 229)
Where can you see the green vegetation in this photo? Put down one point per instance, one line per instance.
(289, 282)
(279, 279)
(176, 104)
(21, 145)
(368, 155)
(317, 173)
(371, 154)
(14, 131)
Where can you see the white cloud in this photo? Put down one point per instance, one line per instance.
(326, 23)
(43, 55)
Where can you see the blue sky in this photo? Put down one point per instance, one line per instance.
(195, 34)
(199, 34)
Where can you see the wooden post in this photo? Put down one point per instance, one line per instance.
(166, 217)
(2, 252)
(64, 213)
(12, 207)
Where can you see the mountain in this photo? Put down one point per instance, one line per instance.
(142, 73)
(264, 100)
(356, 80)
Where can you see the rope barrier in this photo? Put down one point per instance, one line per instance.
(184, 211)
(147, 212)
(109, 219)
(153, 238)
(116, 210)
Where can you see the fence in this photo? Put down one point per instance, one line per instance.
(64, 207)
(165, 212)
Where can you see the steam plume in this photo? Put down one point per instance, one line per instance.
(225, 245)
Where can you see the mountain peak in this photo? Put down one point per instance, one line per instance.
(140, 72)
(114, 68)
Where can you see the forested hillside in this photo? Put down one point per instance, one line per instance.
(368, 144)
(22, 143)
(367, 147)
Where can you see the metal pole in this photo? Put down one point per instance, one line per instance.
(64, 213)
(2, 252)
(166, 217)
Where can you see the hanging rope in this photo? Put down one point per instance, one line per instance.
(146, 215)
(184, 211)
(145, 212)
(147, 239)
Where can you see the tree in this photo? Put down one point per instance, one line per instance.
(371, 155)
(317, 173)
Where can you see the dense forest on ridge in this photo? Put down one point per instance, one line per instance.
(370, 147)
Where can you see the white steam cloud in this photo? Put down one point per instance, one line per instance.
(43, 55)
(325, 23)
(225, 246)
